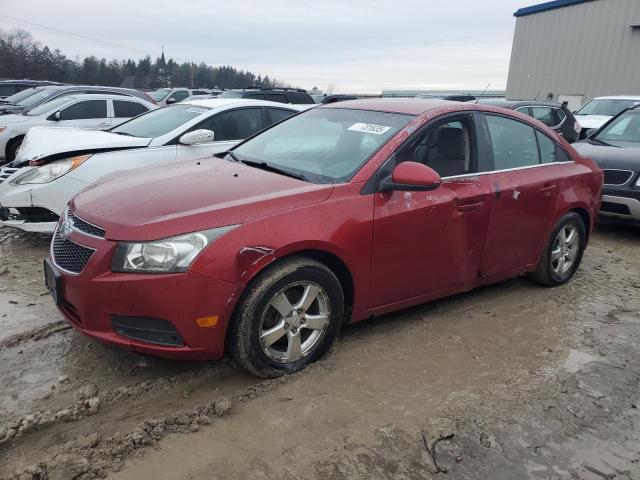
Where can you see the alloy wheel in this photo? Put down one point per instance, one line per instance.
(565, 249)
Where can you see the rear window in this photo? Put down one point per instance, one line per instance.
(230, 94)
(299, 97)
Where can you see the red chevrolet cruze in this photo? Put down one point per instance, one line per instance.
(336, 215)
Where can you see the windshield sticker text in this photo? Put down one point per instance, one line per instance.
(369, 128)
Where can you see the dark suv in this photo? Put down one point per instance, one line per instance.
(553, 114)
(282, 95)
(11, 87)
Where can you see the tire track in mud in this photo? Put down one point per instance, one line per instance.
(35, 334)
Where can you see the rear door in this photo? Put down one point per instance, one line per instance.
(425, 242)
(91, 114)
(526, 180)
(229, 128)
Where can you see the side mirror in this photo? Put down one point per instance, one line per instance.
(197, 136)
(170, 101)
(412, 176)
(57, 116)
(590, 132)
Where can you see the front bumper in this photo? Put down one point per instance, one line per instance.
(621, 202)
(96, 298)
(52, 197)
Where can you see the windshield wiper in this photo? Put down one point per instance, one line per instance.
(123, 133)
(597, 140)
(269, 167)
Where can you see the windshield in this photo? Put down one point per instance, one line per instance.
(230, 94)
(159, 122)
(158, 95)
(38, 98)
(16, 97)
(625, 128)
(325, 145)
(48, 106)
(610, 108)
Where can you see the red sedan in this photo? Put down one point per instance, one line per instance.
(335, 215)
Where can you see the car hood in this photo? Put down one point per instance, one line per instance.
(592, 121)
(610, 156)
(43, 142)
(149, 204)
(14, 118)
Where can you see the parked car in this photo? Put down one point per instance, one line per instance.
(597, 112)
(455, 97)
(203, 96)
(47, 94)
(167, 96)
(98, 112)
(297, 96)
(341, 213)
(552, 114)
(21, 95)
(615, 147)
(337, 98)
(11, 87)
(54, 164)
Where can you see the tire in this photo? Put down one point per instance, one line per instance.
(275, 355)
(12, 149)
(554, 268)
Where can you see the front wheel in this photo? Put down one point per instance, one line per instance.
(563, 254)
(289, 316)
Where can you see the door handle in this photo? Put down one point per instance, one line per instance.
(470, 207)
(548, 190)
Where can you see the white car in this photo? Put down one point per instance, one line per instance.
(597, 112)
(54, 164)
(98, 112)
(167, 96)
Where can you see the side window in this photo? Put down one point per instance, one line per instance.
(524, 110)
(278, 114)
(514, 143)
(256, 96)
(199, 92)
(126, 109)
(235, 124)
(179, 95)
(445, 147)
(545, 115)
(559, 115)
(299, 97)
(547, 148)
(85, 110)
(276, 97)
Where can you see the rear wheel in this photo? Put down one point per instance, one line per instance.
(563, 254)
(288, 318)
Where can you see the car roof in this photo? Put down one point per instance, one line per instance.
(408, 106)
(618, 97)
(502, 102)
(101, 96)
(225, 102)
(84, 87)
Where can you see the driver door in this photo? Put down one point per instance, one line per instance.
(229, 128)
(426, 242)
(90, 114)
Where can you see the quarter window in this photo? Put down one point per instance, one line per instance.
(122, 109)
(513, 143)
(85, 110)
(544, 114)
(179, 95)
(278, 114)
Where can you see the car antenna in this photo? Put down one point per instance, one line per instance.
(537, 95)
(483, 92)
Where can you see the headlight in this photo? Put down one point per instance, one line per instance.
(49, 172)
(170, 255)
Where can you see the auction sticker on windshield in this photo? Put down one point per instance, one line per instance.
(369, 128)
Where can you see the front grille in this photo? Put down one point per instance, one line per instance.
(618, 208)
(6, 172)
(68, 255)
(617, 177)
(85, 227)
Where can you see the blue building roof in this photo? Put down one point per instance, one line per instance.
(543, 7)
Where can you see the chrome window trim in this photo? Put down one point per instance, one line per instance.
(507, 170)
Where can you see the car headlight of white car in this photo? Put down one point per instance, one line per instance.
(51, 171)
(169, 255)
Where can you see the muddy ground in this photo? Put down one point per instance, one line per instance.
(507, 382)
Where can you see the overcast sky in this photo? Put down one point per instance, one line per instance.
(354, 45)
